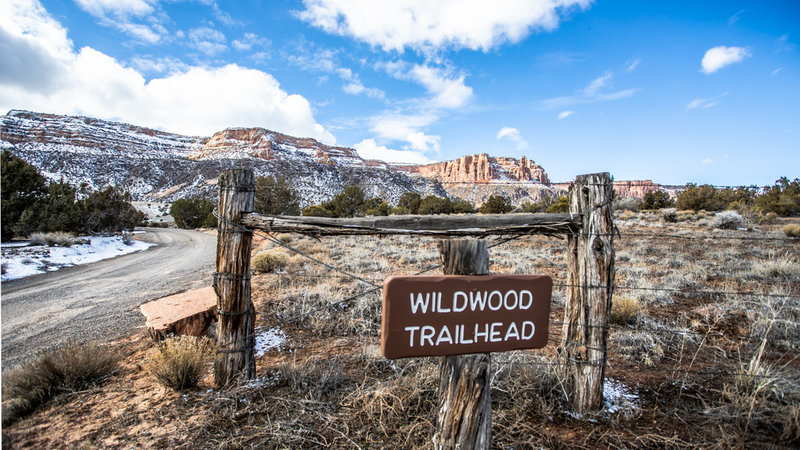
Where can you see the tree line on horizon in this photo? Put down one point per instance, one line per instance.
(274, 196)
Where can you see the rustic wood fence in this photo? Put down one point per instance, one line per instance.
(464, 408)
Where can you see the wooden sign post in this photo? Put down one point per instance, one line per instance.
(463, 316)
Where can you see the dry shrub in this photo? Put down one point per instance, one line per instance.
(791, 230)
(762, 400)
(70, 367)
(285, 237)
(728, 220)
(669, 215)
(627, 215)
(782, 267)
(637, 346)
(270, 261)
(396, 411)
(768, 218)
(180, 362)
(527, 391)
(57, 238)
(624, 310)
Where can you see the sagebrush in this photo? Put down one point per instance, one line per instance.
(180, 362)
(70, 367)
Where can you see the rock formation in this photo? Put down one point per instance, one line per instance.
(481, 168)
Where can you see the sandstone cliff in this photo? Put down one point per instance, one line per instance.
(633, 188)
(482, 168)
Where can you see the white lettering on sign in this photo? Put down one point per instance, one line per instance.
(481, 333)
(475, 300)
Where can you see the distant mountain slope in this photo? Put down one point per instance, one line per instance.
(158, 166)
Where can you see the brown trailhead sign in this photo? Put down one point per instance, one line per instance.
(460, 314)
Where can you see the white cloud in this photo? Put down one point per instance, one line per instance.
(162, 65)
(705, 103)
(195, 100)
(324, 61)
(248, 41)
(596, 85)
(632, 65)
(208, 40)
(395, 126)
(775, 72)
(590, 94)
(424, 25)
(448, 91)
(100, 8)
(138, 18)
(735, 18)
(565, 114)
(513, 134)
(368, 149)
(721, 56)
(707, 161)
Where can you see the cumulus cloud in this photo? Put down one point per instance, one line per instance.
(407, 127)
(193, 100)
(565, 114)
(718, 57)
(369, 149)
(421, 25)
(513, 134)
(448, 91)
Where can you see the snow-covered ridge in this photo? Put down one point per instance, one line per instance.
(159, 166)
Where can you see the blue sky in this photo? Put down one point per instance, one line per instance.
(675, 91)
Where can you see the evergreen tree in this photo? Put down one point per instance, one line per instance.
(193, 213)
(656, 200)
(410, 201)
(435, 205)
(109, 211)
(22, 187)
(496, 204)
(274, 196)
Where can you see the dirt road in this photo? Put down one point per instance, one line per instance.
(101, 300)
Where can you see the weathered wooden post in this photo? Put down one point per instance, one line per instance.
(590, 279)
(235, 357)
(464, 417)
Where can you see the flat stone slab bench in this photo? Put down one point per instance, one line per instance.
(188, 313)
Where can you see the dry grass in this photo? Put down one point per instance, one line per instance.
(688, 352)
(780, 267)
(792, 230)
(625, 310)
(180, 362)
(70, 367)
(57, 238)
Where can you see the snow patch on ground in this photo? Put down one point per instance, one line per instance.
(618, 397)
(19, 262)
(269, 339)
